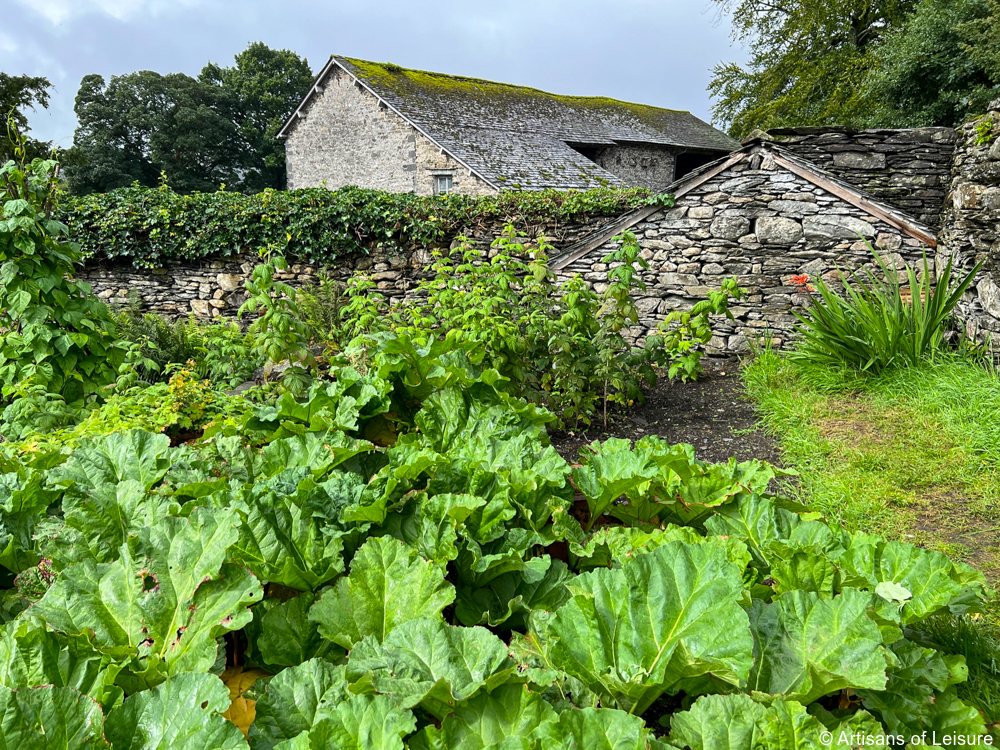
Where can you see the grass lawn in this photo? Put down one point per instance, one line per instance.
(912, 455)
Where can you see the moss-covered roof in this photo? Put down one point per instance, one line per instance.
(515, 135)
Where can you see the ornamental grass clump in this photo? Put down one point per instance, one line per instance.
(876, 323)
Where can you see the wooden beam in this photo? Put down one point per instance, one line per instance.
(856, 200)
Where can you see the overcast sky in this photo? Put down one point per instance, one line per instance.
(656, 52)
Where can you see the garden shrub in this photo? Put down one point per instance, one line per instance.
(562, 345)
(53, 332)
(872, 325)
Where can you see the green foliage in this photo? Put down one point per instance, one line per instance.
(356, 538)
(140, 125)
(16, 94)
(151, 226)
(872, 326)
(937, 68)
(203, 134)
(278, 333)
(562, 345)
(984, 131)
(266, 86)
(53, 333)
(808, 59)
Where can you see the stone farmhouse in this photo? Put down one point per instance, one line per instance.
(377, 125)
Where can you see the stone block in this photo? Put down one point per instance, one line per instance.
(834, 227)
(859, 160)
(229, 282)
(797, 209)
(888, 241)
(701, 212)
(201, 308)
(678, 279)
(729, 227)
(713, 269)
(994, 153)
(778, 230)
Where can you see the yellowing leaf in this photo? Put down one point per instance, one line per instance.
(241, 711)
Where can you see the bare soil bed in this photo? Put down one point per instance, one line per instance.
(710, 413)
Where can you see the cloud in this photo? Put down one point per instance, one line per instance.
(59, 11)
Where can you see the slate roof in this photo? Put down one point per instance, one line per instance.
(515, 136)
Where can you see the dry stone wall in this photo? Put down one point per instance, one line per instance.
(214, 288)
(909, 169)
(971, 231)
(763, 225)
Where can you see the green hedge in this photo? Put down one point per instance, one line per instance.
(153, 226)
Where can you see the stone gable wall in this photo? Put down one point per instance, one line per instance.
(909, 169)
(640, 164)
(348, 137)
(971, 230)
(762, 225)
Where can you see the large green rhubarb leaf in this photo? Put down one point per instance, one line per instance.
(183, 713)
(97, 524)
(933, 582)
(666, 617)
(34, 657)
(23, 502)
(612, 470)
(807, 646)
(920, 694)
(285, 636)
(510, 598)
(163, 603)
(506, 718)
(389, 584)
(431, 664)
(737, 722)
(137, 455)
(361, 722)
(281, 539)
(295, 701)
(49, 718)
(595, 729)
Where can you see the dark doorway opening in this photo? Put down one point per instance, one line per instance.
(688, 162)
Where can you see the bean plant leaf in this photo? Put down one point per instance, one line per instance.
(389, 584)
(182, 712)
(428, 663)
(665, 617)
(49, 718)
(488, 720)
(162, 604)
(807, 646)
(295, 700)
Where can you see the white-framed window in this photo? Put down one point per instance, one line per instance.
(443, 184)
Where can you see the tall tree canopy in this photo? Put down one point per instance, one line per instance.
(265, 86)
(866, 63)
(939, 67)
(18, 93)
(202, 133)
